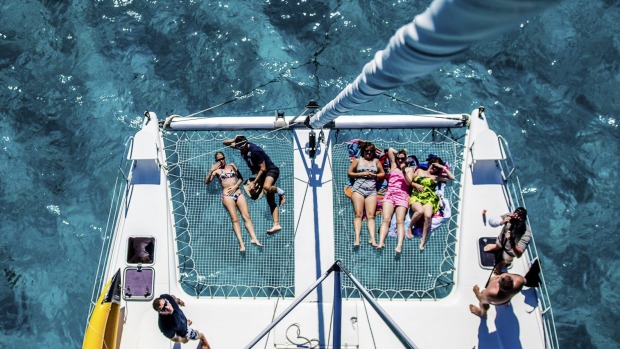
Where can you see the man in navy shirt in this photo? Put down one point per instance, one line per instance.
(266, 173)
(173, 323)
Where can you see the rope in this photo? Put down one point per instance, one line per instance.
(273, 316)
(412, 104)
(372, 334)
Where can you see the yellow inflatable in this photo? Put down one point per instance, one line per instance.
(102, 327)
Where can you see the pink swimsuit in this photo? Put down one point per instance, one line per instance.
(398, 190)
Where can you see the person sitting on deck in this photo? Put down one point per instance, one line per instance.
(397, 197)
(232, 197)
(499, 291)
(424, 201)
(365, 172)
(266, 175)
(173, 323)
(512, 240)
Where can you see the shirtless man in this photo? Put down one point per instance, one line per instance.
(499, 291)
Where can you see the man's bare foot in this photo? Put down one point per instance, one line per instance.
(476, 311)
(276, 228)
(282, 199)
(205, 344)
(257, 243)
(477, 292)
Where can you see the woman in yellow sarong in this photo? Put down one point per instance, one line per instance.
(424, 201)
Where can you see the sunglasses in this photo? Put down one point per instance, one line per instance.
(220, 159)
(163, 309)
(368, 151)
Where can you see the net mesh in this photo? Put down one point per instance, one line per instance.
(412, 274)
(210, 263)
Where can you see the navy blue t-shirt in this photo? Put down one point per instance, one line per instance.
(175, 323)
(255, 156)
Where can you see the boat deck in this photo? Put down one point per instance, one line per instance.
(231, 317)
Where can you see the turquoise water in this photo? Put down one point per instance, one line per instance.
(76, 76)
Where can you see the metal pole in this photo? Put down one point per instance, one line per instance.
(337, 307)
(291, 307)
(400, 334)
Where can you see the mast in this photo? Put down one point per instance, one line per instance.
(438, 35)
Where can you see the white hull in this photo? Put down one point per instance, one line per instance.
(233, 323)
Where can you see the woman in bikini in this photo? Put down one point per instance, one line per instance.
(365, 172)
(397, 197)
(232, 197)
(424, 201)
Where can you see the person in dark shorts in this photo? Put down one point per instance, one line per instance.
(499, 291)
(512, 240)
(266, 173)
(173, 323)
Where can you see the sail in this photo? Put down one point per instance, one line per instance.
(438, 35)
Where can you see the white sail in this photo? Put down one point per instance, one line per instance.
(441, 33)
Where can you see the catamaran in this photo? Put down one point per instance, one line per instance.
(308, 286)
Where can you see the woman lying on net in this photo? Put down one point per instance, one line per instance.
(396, 199)
(232, 197)
(365, 171)
(424, 201)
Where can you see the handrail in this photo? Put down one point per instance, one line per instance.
(111, 224)
(515, 195)
(508, 155)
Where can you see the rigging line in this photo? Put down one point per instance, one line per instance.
(112, 205)
(331, 321)
(446, 137)
(413, 104)
(248, 94)
(372, 334)
(294, 236)
(213, 107)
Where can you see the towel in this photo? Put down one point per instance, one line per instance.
(445, 212)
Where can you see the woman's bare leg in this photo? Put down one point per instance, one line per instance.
(386, 217)
(417, 214)
(249, 226)
(358, 206)
(401, 212)
(428, 215)
(371, 208)
(229, 203)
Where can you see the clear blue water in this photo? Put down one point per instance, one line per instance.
(75, 77)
